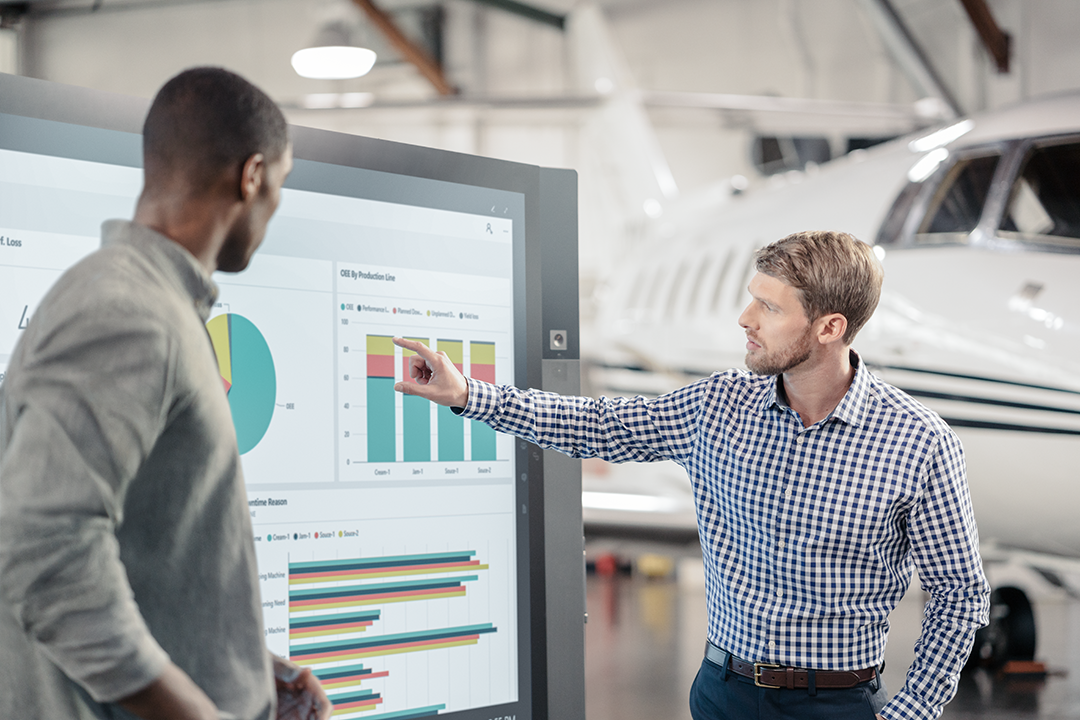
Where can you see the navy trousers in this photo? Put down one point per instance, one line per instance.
(722, 695)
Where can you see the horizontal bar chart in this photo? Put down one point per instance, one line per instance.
(376, 593)
(334, 622)
(392, 644)
(338, 570)
(338, 677)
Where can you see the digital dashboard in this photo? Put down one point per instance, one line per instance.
(398, 556)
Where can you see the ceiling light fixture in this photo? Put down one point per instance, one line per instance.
(333, 56)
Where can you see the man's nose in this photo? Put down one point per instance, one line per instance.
(744, 318)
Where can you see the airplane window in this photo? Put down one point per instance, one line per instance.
(718, 289)
(957, 205)
(772, 154)
(640, 283)
(699, 284)
(656, 289)
(748, 272)
(671, 306)
(893, 226)
(1044, 205)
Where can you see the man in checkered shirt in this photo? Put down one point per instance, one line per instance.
(818, 487)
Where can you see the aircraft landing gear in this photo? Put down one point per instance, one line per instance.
(1010, 634)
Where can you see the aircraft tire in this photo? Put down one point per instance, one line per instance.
(1010, 634)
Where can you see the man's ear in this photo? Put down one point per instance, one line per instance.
(831, 328)
(252, 177)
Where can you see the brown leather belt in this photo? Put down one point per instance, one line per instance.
(767, 675)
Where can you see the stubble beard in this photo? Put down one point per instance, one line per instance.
(782, 360)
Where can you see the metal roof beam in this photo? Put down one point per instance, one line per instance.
(529, 12)
(908, 53)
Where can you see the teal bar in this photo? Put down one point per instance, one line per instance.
(455, 633)
(451, 435)
(416, 422)
(406, 714)
(379, 561)
(483, 442)
(380, 420)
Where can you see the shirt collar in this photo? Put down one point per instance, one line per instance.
(168, 256)
(850, 410)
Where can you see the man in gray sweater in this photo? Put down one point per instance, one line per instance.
(128, 583)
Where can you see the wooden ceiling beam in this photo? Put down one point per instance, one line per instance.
(412, 52)
(996, 40)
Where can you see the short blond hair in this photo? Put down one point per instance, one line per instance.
(834, 272)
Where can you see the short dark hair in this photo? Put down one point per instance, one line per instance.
(207, 120)
(833, 271)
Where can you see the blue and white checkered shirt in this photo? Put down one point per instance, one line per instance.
(809, 534)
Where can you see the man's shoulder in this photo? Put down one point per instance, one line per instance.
(738, 378)
(112, 298)
(891, 400)
(113, 279)
(737, 386)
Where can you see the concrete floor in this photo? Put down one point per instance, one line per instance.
(645, 637)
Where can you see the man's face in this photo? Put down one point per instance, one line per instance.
(779, 336)
(248, 232)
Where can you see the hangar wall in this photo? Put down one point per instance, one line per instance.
(825, 49)
(795, 48)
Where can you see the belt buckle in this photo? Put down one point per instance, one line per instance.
(758, 667)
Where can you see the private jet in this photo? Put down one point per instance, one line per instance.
(977, 224)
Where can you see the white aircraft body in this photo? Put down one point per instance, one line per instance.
(978, 228)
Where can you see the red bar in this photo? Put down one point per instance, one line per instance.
(484, 373)
(380, 366)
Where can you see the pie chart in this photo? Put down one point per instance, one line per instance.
(247, 371)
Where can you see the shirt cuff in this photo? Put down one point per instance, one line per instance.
(904, 706)
(483, 401)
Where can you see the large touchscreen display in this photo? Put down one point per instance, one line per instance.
(389, 531)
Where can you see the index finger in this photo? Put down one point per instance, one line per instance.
(417, 347)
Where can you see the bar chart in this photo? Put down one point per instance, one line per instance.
(338, 627)
(415, 415)
(451, 427)
(482, 368)
(380, 399)
(405, 428)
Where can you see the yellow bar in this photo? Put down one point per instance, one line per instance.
(454, 350)
(380, 345)
(409, 353)
(381, 652)
(319, 633)
(358, 708)
(376, 601)
(482, 353)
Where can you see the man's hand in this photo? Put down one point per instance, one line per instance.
(173, 696)
(434, 376)
(300, 696)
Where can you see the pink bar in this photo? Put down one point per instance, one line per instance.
(380, 366)
(484, 373)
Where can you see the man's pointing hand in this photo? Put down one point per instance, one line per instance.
(433, 376)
